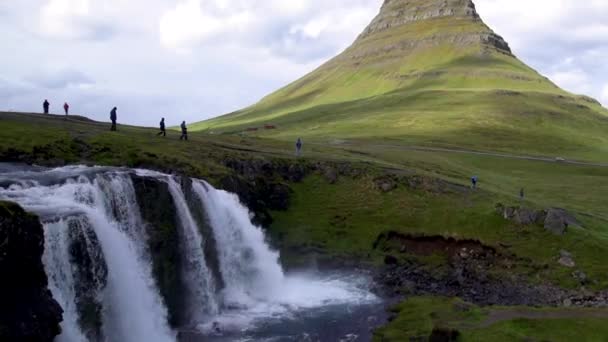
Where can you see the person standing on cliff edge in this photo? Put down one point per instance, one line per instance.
(66, 108)
(113, 117)
(163, 131)
(45, 106)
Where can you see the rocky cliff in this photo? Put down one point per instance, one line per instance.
(27, 310)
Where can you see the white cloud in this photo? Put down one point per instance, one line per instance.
(65, 18)
(189, 23)
(100, 53)
(604, 97)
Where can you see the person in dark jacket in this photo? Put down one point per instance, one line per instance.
(474, 181)
(162, 132)
(184, 131)
(45, 106)
(66, 108)
(113, 117)
(299, 147)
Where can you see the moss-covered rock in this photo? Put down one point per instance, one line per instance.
(28, 311)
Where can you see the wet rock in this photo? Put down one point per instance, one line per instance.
(260, 195)
(349, 338)
(158, 211)
(90, 269)
(390, 260)
(28, 311)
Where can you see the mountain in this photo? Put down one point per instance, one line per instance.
(429, 72)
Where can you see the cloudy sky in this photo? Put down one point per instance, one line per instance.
(194, 59)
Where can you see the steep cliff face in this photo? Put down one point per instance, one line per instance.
(27, 310)
(158, 211)
(397, 13)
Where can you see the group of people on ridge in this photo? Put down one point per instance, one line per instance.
(163, 130)
(46, 106)
(114, 117)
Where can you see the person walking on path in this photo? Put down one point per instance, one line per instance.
(184, 131)
(162, 132)
(474, 180)
(113, 117)
(299, 147)
(45, 106)
(66, 108)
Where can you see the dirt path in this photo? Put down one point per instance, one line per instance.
(497, 316)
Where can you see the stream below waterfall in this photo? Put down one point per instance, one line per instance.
(110, 266)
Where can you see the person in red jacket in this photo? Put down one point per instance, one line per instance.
(66, 107)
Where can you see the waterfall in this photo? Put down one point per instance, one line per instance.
(61, 280)
(198, 278)
(98, 257)
(250, 270)
(132, 308)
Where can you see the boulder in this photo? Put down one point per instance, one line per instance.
(28, 311)
(385, 184)
(521, 215)
(331, 175)
(581, 277)
(566, 260)
(558, 220)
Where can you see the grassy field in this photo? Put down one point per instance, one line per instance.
(342, 220)
(417, 317)
(349, 215)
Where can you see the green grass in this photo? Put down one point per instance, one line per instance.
(418, 316)
(442, 93)
(344, 219)
(348, 217)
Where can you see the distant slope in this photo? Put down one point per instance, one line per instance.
(429, 72)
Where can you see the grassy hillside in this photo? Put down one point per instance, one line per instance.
(341, 220)
(446, 80)
(418, 317)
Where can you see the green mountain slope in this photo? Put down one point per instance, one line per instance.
(430, 72)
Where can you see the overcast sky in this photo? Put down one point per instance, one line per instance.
(194, 59)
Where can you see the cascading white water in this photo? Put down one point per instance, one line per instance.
(250, 270)
(133, 310)
(102, 206)
(61, 279)
(255, 282)
(199, 280)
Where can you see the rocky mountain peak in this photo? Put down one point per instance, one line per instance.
(395, 14)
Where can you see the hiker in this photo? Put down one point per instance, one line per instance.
(521, 194)
(474, 180)
(299, 147)
(45, 106)
(113, 118)
(184, 131)
(162, 132)
(66, 107)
